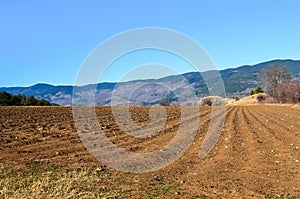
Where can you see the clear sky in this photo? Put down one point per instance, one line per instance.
(47, 41)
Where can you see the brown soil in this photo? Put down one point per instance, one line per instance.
(257, 155)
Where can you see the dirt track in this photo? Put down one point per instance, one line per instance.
(257, 155)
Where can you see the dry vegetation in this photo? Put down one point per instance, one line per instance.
(257, 156)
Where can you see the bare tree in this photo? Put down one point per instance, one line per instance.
(287, 93)
(272, 76)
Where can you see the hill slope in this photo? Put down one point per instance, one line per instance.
(237, 81)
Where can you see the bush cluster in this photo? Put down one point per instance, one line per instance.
(265, 99)
(6, 99)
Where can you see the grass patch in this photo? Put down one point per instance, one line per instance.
(83, 183)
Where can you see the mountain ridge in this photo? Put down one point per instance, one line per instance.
(237, 81)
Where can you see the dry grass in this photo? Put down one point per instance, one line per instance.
(83, 183)
(51, 185)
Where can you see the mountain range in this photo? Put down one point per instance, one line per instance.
(238, 82)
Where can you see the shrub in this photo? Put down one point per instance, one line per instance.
(270, 100)
(261, 98)
(31, 101)
(43, 102)
(256, 90)
(265, 99)
(211, 101)
(164, 103)
(207, 102)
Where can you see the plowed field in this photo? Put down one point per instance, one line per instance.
(256, 156)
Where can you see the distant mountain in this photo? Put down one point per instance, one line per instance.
(171, 89)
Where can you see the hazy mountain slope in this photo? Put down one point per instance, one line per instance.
(172, 89)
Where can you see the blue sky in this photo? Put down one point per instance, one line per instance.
(47, 41)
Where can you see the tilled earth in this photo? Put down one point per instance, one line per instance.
(256, 156)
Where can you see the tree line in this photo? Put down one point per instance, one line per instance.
(7, 99)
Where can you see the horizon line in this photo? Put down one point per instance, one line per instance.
(142, 79)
